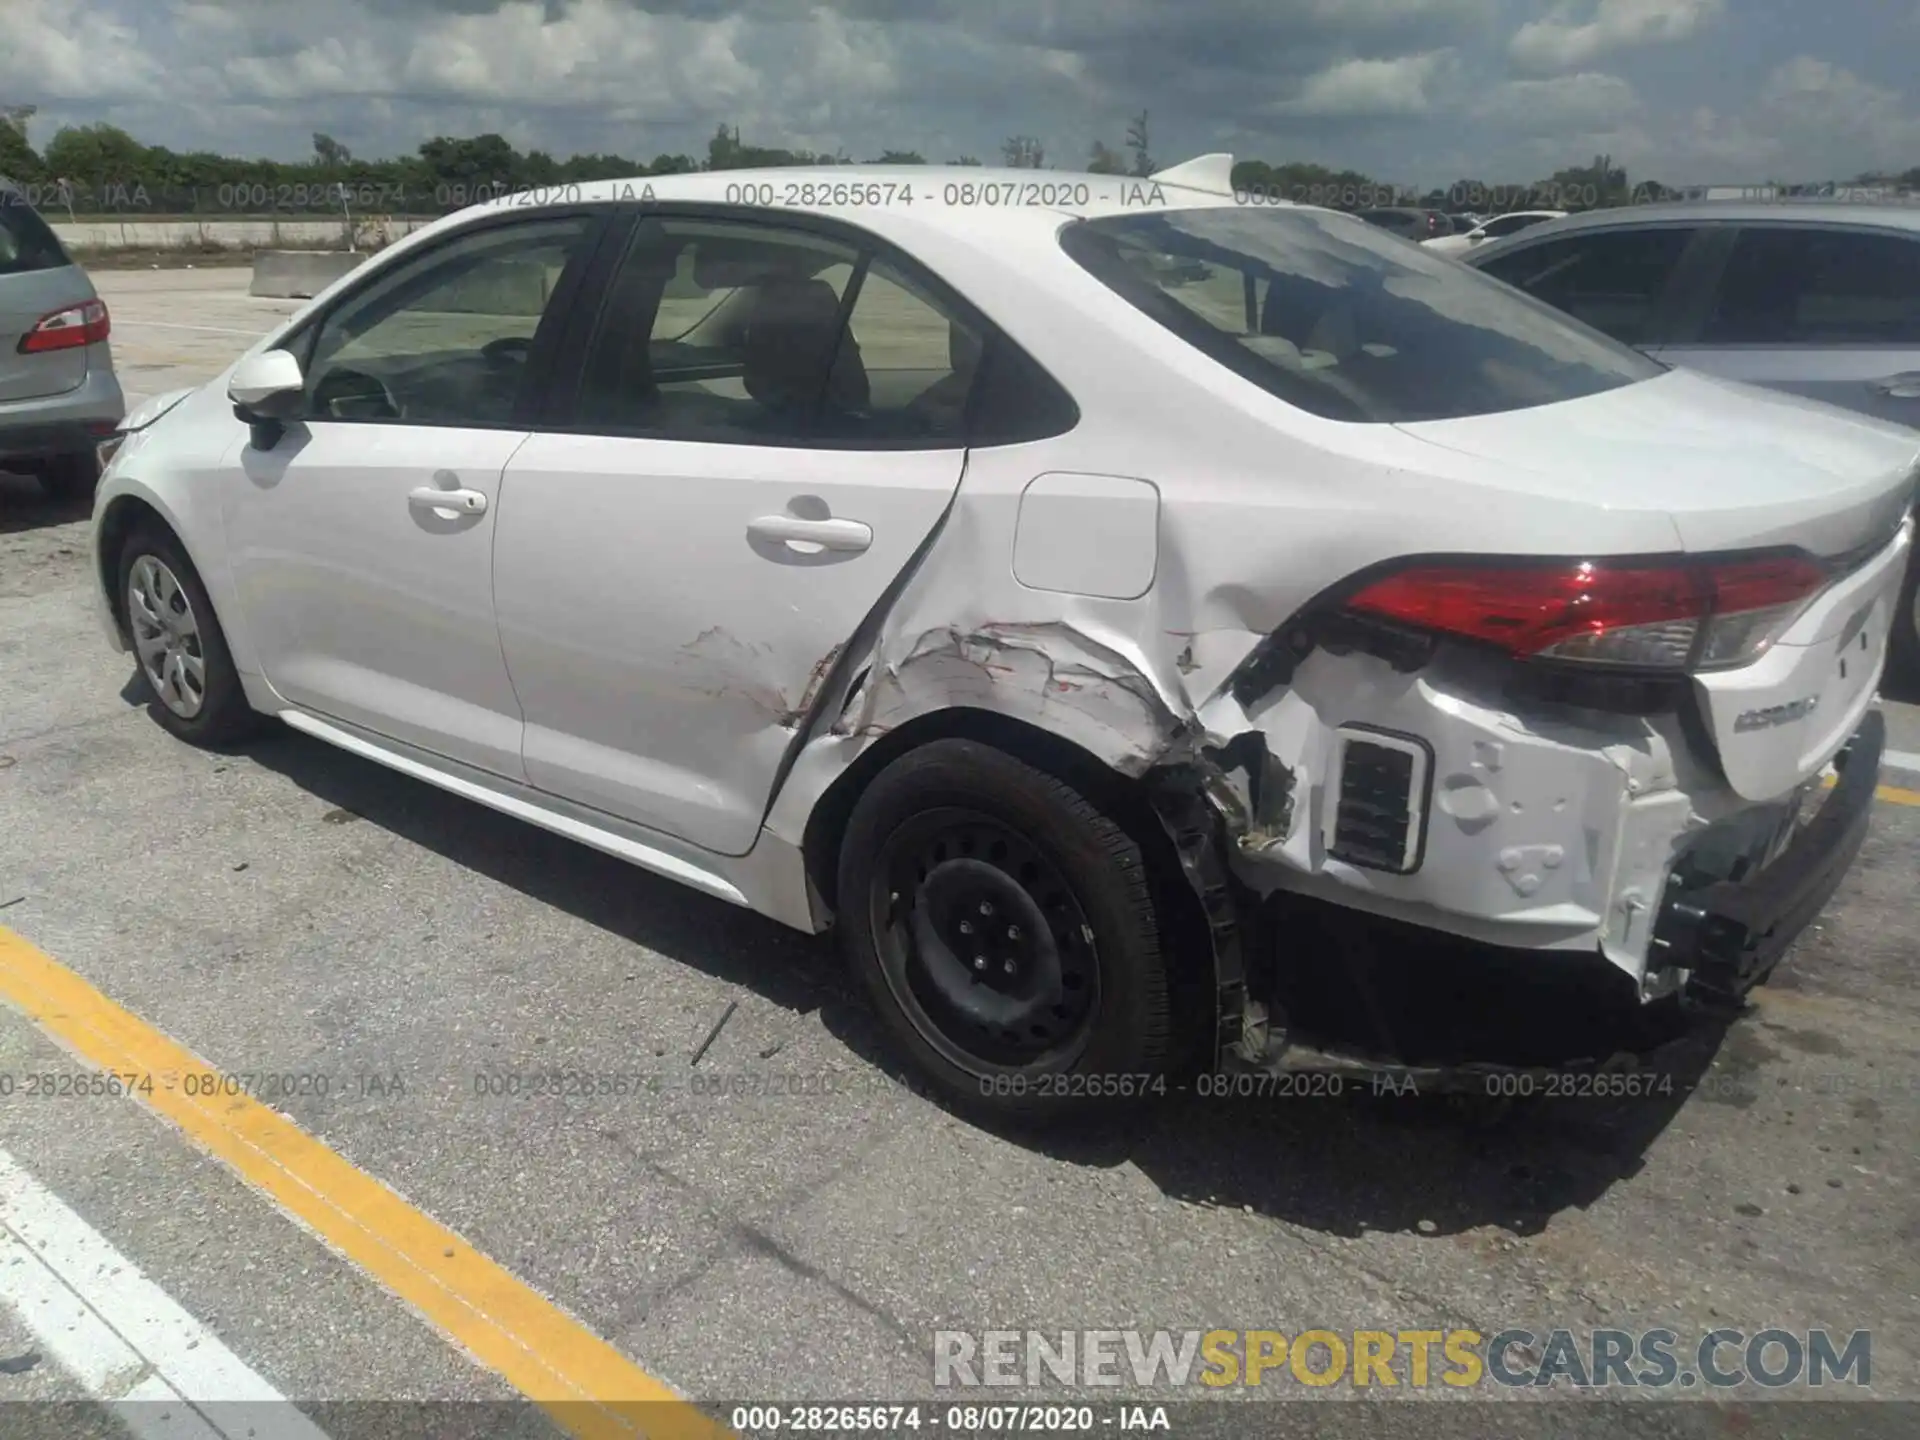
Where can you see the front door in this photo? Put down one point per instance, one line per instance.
(362, 541)
(743, 474)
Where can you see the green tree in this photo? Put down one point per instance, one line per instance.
(1023, 152)
(99, 157)
(471, 166)
(330, 153)
(1102, 159)
(1138, 143)
(17, 158)
(901, 157)
(1586, 187)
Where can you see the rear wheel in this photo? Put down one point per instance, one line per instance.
(70, 477)
(178, 643)
(1006, 930)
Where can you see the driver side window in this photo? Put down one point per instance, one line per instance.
(443, 339)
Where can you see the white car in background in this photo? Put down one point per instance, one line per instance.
(1497, 228)
(1044, 581)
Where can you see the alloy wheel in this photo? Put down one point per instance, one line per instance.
(166, 636)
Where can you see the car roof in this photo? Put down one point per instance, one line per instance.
(1738, 212)
(999, 198)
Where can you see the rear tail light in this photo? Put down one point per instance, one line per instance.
(1706, 615)
(68, 329)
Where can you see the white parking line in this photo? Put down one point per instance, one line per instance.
(1900, 760)
(121, 322)
(150, 1363)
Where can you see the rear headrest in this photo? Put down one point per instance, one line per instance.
(726, 262)
(788, 332)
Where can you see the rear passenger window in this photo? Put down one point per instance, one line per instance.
(1613, 280)
(723, 331)
(1817, 287)
(26, 241)
(919, 361)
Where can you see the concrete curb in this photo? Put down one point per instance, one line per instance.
(299, 274)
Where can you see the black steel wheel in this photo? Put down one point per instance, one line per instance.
(1006, 930)
(983, 942)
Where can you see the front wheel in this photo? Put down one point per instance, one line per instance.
(1005, 927)
(178, 642)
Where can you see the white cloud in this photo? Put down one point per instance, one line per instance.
(1586, 101)
(1354, 89)
(1557, 43)
(56, 49)
(1822, 103)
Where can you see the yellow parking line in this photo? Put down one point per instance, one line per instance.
(1892, 794)
(590, 1389)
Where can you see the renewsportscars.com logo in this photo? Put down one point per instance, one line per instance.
(1462, 1359)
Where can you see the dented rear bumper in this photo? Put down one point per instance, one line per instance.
(1531, 827)
(1728, 935)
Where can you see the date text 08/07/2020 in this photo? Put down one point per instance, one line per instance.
(959, 1420)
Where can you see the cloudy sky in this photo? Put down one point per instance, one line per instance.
(1413, 91)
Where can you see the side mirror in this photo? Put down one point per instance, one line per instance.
(265, 390)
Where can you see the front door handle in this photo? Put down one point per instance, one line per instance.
(1905, 386)
(461, 502)
(828, 534)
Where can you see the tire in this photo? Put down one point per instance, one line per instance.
(69, 477)
(221, 714)
(1065, 1009)
(1903, 658)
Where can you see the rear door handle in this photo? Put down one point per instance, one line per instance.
(1905, 386)
(461, 502)
(828, 534)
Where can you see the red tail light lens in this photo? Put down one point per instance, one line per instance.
(1712, 615)
(68, 329)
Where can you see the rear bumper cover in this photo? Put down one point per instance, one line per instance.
(1731, 934)
(1727, 937)
(71, 423)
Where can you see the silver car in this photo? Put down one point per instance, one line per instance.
(1821, 299)
(59, 397)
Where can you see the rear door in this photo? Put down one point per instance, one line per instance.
(1826, 311)
(36, 279)
(765, 425)
(1626, 282)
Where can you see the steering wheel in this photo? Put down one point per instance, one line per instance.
(508, 349)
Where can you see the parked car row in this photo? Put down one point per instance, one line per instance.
(1816, 299)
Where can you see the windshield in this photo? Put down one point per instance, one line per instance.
(1344, 320)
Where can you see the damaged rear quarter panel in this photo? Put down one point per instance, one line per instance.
(1263, 507)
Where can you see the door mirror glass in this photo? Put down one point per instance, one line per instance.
(268, 385)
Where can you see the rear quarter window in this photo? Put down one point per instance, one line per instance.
(26, 241)
(1332, 315)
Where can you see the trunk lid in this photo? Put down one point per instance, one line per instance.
(1736, 467)
(25, 298)
(1739, 468)
(1778, 721)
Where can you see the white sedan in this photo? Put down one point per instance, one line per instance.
(1499, 226)
(1039, 579)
